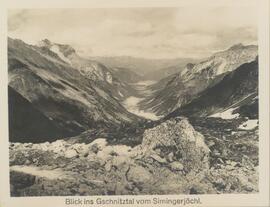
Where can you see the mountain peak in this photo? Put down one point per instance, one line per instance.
(237, 46)
(190, 65)
(64, 48)
(44, 43)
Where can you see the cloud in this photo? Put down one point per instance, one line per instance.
(16, 19)
(142, 32)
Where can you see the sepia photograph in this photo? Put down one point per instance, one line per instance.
(134, 101)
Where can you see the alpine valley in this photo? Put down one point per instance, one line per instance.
(131, 126)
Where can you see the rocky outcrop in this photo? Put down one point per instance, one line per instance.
(177, 142)
(173, 158)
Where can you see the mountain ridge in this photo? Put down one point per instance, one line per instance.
(236, 87)
(61, 92)
(178, 89)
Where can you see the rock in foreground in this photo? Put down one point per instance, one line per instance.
(173, 158)
(176, 140)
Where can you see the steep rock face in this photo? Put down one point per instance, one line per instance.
(222, 62)
(237, 91)
(23, 119)
(179, 89)
(66, 50)
(91, 69)
(60, 92)
(175, 140)
(100, 74)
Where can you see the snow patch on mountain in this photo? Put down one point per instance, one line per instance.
(228, 114)
(249, 124)
(56, 49)
(221, 67)
(109, 78)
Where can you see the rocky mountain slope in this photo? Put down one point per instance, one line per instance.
(115, 80)
(173, 158)
(23, 119)
(60, 92)
(179, 89)
(237, 91)
(167, 71)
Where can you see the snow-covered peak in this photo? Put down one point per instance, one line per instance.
(56, 49)
(63, 51)
(44, 43)
(66, 49)
(91, 69)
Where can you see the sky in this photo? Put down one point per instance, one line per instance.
(161, 32)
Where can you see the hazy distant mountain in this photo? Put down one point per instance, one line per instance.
(60, 92)
(142, 66)
(179, 89)
(127, 75)
(164, 72)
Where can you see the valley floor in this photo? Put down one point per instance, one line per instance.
(132, 102)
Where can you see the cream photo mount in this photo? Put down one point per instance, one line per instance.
(260, 199)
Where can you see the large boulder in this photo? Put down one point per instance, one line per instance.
(175, 140)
